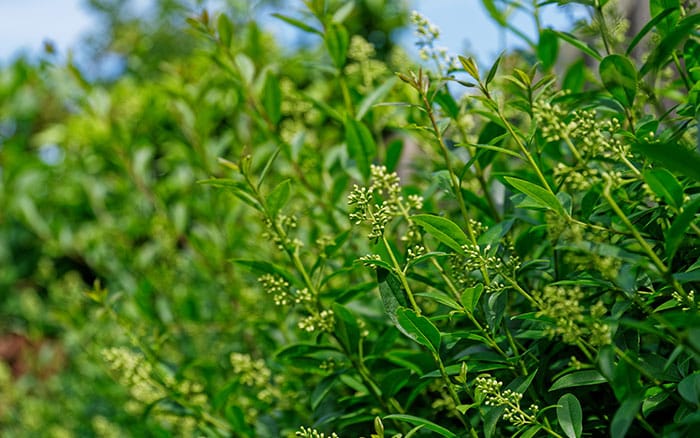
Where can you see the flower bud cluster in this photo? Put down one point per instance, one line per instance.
(550, 120)
(475, 258)
(250, 372)
(426, 34)
(132, 370)
(313, 433)
(387, 187)
(594, 137)
(490, 388)
(593, 141)
(415, 252)
(286, 223)
(282, 293)
(367, 260)
(255, 374)
(563, 306)
(323, 321)
(362, 52)
(687, 302)
(360, 49)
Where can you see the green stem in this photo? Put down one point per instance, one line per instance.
(402, 276)
(456, 186)
(665, 271)
(681, 71)
(603, 27)
(491, 342)
(453, 392)
(480, 176)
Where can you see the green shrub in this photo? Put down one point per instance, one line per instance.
(257, 243)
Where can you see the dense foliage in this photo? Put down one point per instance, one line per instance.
(243, 241)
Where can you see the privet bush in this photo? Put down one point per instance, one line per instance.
(330, 243)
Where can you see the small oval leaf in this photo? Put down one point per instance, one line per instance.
(570, 416)
(539, 195)
(442, 229)
(411, 419)
(420, 329)
(278, 197)
(360, 145)
(272, 98)
(578, 378)
(620, 78)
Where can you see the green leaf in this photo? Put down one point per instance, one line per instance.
(672, 156)
(575, 77)
(548, 48)
(322, 390)
(574, 41)
(663, 51)
(495, 13)
(470, 297)
(346, 329)
(538, 195)
(447, 103)
(531, 431)
(496, 232)
(323, 107)
(578, 378)
(225, 29)
(624, 416)
(665, 185)
(658, 6)
(492, 71)
(691, 57)
(267, 167)
(620, 78)
(451, 370)
(342, 13)
(337, 41)
(441, 298)
(469, 66)
(239, 189)
(262, 267)
(392, 293)
(648, 27)
(301, 350)
(375, 96)
(298, 24)
(676, 233)
(360, 144)
(272, 98)
(570, 416)
(689, 388)
(420, 329)
(443, 229)
(418, 421)
(492, 134)
(246, 67)
(278, 197)
(393, 154)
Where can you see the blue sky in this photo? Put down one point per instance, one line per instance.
(25, 24)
